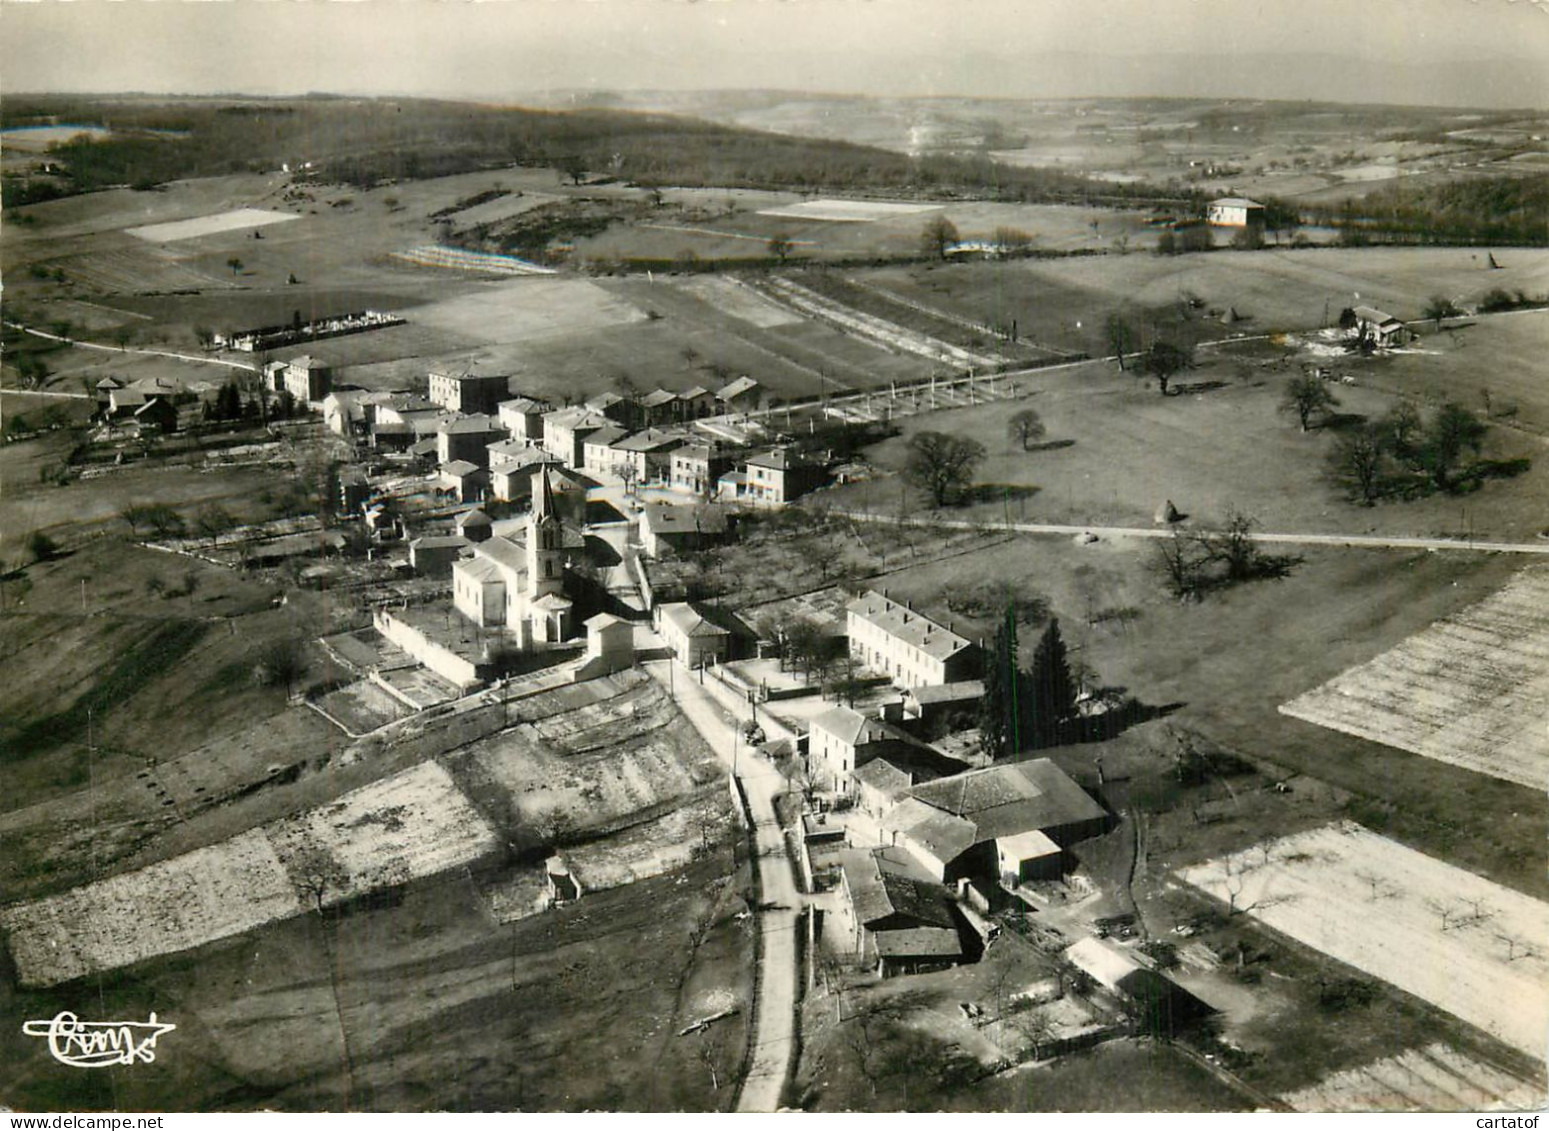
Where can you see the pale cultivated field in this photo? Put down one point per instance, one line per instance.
(527, 309)
(731, 297)
(1435, 1078)
(209, 225)
(849, 211)
(1472, 690)
(1462, 943)
(413, 824)
(181, 903)
(401, 828)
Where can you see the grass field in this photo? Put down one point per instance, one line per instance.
(1470, 690)
(1115, 451)
(1272, 289)
(1469, 946)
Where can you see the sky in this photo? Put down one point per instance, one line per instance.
(1467, 52)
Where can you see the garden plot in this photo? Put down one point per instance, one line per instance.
(652, 848)
(1472, 690)
(412, 824)
(181, 903)
(1464, 944)
(210, 225)
(849, 211)
(1435, 1078)
(731, 297)
(596, 763)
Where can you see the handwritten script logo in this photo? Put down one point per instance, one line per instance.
(97, 1044)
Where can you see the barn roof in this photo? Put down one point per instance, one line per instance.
(1005, 800)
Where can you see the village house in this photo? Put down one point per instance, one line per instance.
(125, 402)
(692, 638)
(879, 785)
(777, 477)
(974, 825)
(666, 528)
(467, 481)
(511, 477)
(646, 455)
(842, 743)
(742, 395)
(696, 467)
(623, 411)
(908, 647)
(433, 555)
(308, 379)
(1235, 212)
(696, 401)
(523, 418)
(837, 741)
(597, 455)
(565, 431)
(1379, 327)
(469, 392)
(519, 586)
(158, 413)
(467, 438)
(660, 407)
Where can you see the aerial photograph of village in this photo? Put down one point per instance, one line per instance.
(740, 557)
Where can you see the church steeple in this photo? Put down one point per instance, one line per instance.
(543, 495)
(545, 555)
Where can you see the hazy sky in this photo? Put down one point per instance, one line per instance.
(497, 49)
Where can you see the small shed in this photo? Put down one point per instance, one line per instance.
(1025, 856)
(610, 639)
(475, 525)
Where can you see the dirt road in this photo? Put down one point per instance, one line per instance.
(1349, 541)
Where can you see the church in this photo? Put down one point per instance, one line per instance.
(520, 587)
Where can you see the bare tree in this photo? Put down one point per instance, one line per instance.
(1179, 564)
(937, 236)
(1306, 396)
(1120, 335)
(1356, 462)
(1026, 426)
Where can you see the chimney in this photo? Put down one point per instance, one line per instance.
(909, 603)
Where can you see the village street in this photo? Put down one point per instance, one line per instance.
(777, 917)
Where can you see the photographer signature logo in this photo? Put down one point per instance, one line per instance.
(98, 1044)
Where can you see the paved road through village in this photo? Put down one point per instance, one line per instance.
(714, 712)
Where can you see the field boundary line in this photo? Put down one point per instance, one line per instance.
(130, 349)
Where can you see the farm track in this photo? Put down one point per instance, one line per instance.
(868, 328)
(810, 361)
(955, 320)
